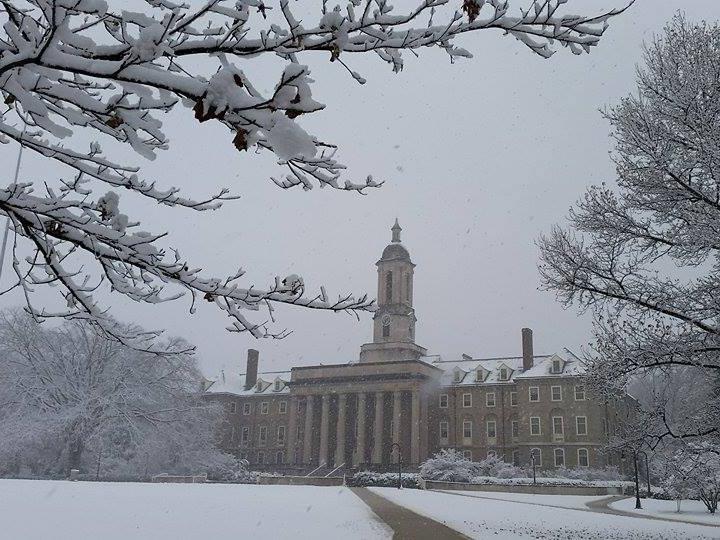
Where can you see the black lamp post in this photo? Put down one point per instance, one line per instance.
(647, 470)
(638, 506)
(532, 458)
(399, 453)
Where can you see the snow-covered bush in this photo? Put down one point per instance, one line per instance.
(678, 487)
(697, 471)
(449, 465)
(375, 479)
(585, 473)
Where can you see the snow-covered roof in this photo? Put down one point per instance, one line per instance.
(268, 383)
(465, 371)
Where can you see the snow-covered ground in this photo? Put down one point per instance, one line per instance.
(689, 510)
(564, 501)
(502, 520)
(60, 510)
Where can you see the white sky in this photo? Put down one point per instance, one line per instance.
(480, 157)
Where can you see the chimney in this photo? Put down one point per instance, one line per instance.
(527, 348)
(252, 368)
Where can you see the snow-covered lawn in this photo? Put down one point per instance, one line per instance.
(60, 510)
(564, 501)
(689, 510)
(502, 520)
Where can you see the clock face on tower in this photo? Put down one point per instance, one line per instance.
(386, 319)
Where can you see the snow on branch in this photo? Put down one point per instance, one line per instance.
(91, 67)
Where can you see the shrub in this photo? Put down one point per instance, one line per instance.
(374, 479)
(449, 466)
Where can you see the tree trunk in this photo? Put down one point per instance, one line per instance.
(75, 450)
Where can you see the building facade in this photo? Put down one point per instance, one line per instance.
(398, 402)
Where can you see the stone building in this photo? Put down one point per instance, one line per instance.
(396, 401)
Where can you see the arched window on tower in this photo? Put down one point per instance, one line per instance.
(388, 287)
(407, 287)
(386, 328)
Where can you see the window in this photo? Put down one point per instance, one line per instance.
(515, 428)
(516, 458)
(388, 288)
(443, 401)
(263, 436)
(282, 407)
(557, 366)
(281, 435)
(559, 457)
(261, 458)
(580, 393)
(534, 425)
(534, 392)
(605, 427)
(581, 425)
(444, 429)
(467, 454)
(536, 457)
(264, 407)
(467, 400)
(479, 375)
(513, 399)
(278, 385)
(556, 393)
(298, 405)
(233, 407)
(467, 429)
(503, 374)
(280, 458)
(490, 399)
(491, 429)
(232, 434)
(247, 408)
(458, 375)
(557, 425)
(245, 435)
(583, 457)
(298, 432)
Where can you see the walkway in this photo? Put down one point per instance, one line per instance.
(601, 506)
(406, 524)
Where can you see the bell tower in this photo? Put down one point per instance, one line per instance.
(394, 321)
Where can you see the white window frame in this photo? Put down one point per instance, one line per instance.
(467, 427)
(587, 457)
(446, 399)
(530, 394)
(537, 452)
(487, 399)
(581, 389)
(278, 385)
(281, 435)
(247, 408)
(233, 434)
(503, 374)
(444, 424)
(555, 457)
(282, 407)
(265, 407)
(467, 404)
(515, 428)
(233, 407)
(539, 425)
(554, 426)
(492, 423)
(261, 458)
(245, 435)
(552, 392)
(280, 457)
(262, 436)
(577, 425)
(557, 369)
(516, 458)
(513, 399)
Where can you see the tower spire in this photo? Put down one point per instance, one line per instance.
(396, 229)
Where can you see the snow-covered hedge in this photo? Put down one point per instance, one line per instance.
(374, 479)
(452, 466)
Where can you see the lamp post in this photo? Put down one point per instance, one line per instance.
(647, 470)
(532, 458)
(638, 506)
(399, 463)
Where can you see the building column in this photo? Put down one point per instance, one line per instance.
(340, 438)
(307, 435)
(291, 430)
(415, 428)
(360, 435)
(378, 429)
(324, 428)
(397, 419)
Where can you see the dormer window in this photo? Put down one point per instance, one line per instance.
(278, 385)
(479, 375)
(458, 377)
(503, 374)
(557, 366)
(259, 385)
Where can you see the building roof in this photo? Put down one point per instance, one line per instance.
(234, 383)
(395, 252)
(465, 371)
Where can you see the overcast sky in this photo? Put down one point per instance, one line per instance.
(479, 158)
